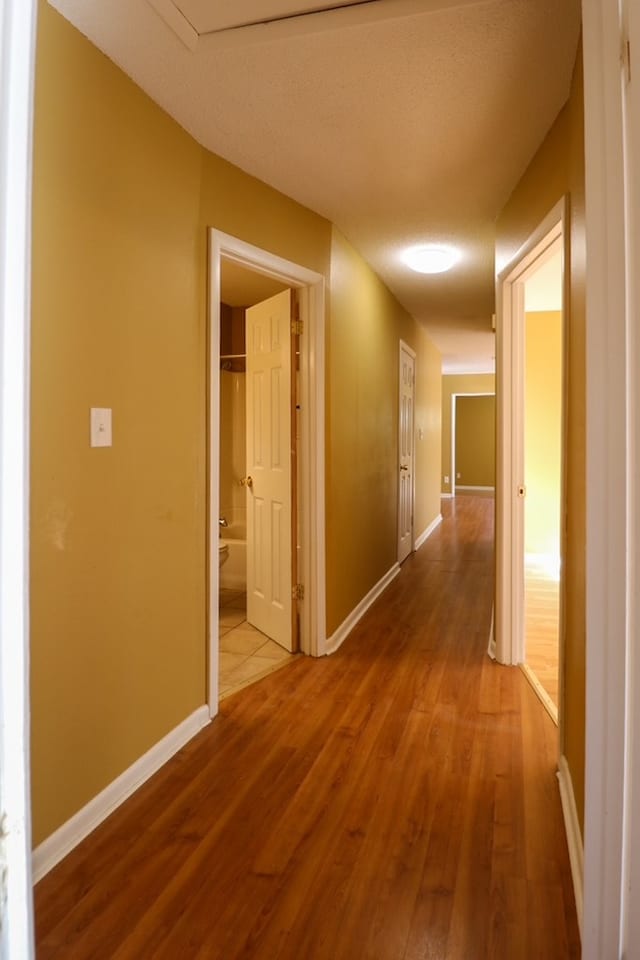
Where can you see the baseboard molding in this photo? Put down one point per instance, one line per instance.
(459, 486)
(574, 836)
(337, 639)
(52, 850)
(446, 496)
(427, 533)
(492, 648)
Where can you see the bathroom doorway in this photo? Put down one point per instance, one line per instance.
(259, 350)
(241, 278)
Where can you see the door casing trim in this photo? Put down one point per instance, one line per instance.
(509, 435)
(311, 288)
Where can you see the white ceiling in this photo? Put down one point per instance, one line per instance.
(402, 121)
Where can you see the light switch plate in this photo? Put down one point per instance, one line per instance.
(100, 427)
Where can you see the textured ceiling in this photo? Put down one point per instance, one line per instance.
(402, 121)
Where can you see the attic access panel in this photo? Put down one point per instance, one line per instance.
(206, 17)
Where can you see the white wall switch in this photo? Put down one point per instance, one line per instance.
(100, 427)
(446, 479)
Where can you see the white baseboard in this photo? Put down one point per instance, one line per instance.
(337, 639)
(446, 496)
(574, 837)
(459, 486)
(492, 649)
(427, 533)
(69, 835)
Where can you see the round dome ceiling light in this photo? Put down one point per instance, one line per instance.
(431, 258)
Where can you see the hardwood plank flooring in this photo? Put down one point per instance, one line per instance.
(541, 624)
(395, 801)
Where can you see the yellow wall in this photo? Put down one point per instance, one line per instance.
(543, 432)
(556, 170)
(458, 383)
(122, 201)
(476, 441)
(117, 535)
(362, 440)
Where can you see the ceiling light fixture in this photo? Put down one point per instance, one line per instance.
(431, 258)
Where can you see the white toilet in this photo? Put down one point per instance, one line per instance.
(223, 552)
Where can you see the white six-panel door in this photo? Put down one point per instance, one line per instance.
(269, 553)
(405, 450)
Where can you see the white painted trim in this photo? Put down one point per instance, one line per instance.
(446, 496)
(479, 489)
(608, 592)
(340, 635)
(176, 21)
(491, 649)
(509, 537)
(426, 533)
(312, 310)
(17, 56)
(52, 850)
(574, 837)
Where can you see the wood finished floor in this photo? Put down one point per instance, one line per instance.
(395, 801)
(541, 624)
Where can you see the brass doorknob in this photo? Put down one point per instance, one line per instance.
(246, 482)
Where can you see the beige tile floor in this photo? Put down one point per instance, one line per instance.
(246, 655)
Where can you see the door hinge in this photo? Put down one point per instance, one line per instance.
(297, 328)
(298, 591)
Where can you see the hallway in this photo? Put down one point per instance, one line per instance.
(395, 801)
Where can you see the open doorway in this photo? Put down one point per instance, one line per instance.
(543, 416)
(257, 612)
(530, 440)
(267, 275)
(473, 444)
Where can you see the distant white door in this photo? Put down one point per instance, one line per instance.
(269, 480)
(405, 450)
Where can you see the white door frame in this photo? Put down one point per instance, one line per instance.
(510, 480)
(454, 397)
(310, 286)
(17, 54)
(612, 858)
(412, 353)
